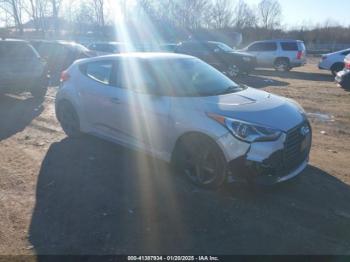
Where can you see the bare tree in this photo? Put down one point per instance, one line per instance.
(221, 13)
(14, 9)
(270, 12)
(55, 5)
(98, 7)
(244, 16)
(36, 10)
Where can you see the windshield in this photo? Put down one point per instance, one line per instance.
(179, 77)
(225, 48)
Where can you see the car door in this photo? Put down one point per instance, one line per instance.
(265, 53)
(145, 111)
(102, 106)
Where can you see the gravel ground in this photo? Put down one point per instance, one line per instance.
(85, 196)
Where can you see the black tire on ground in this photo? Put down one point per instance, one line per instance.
(201, 160)
(282, 64)
(337, 67)
(69, 119)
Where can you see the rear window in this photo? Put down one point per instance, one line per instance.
(289, 46)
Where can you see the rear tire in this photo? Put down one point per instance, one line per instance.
(282, 65)
(201, 160)
(69, 120)
(337, 67)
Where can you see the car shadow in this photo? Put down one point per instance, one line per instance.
(17, 112)
(308, 76)
(96, 198)
(259, 81)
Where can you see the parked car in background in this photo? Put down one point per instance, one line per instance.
(343, 77)
(60, 55)
(105, 48)
(180, 109)
(168, 48)
(22, 69)
(334, 61)
(283, 55)
(220, 56)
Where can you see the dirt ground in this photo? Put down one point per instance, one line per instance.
(85, 196)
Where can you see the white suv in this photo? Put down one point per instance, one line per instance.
(182, 110)
(334, 61)
(283, 55)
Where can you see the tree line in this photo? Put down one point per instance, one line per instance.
(172, 19)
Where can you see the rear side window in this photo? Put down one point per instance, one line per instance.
(263, 47)
(289, 46)
(14, 50)
(99, 71)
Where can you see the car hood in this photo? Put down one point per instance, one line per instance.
(257, 107)
(239, 53)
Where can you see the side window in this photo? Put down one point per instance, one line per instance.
(144, 83)
(255, 47)
(346, 53)
(289, 46)
(100, 71)
(185, 48)
(263, 47)
(269, 47)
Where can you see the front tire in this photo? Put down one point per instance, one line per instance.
(69, 120)
(201, 160)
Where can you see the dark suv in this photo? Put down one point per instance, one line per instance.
(60, 55)
(220, 56)
(21, 69)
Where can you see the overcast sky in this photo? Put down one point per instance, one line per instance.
(299, 12)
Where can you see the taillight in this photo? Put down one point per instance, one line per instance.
(347, 65)
(299, 54)
(64, 76)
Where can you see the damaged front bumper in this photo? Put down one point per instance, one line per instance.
(273, 162)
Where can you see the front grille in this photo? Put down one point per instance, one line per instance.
(294, 153)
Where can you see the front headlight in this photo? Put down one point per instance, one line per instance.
(245, 131)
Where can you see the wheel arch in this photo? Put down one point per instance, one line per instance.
(62, 102)
(281, 58)
(337, 64)
(187, 135)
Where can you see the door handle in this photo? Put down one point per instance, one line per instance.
(115, 100)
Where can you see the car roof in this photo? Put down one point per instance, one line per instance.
(149, 56)
(107, 43)
(278, 40)
(8, 40)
